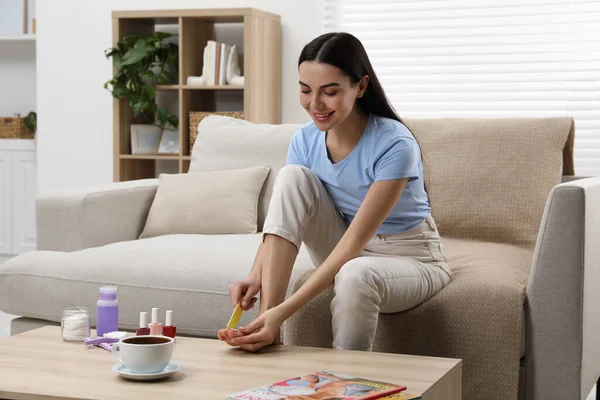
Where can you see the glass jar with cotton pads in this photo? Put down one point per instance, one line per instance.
(75, 324)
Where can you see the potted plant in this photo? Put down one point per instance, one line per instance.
(30, 121)
(142, 62)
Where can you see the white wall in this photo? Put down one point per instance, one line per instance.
(75, 111)
(17, 61)
(17, 77)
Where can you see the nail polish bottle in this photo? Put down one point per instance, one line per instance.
(169, 329)
(143, 329)
(155, 326)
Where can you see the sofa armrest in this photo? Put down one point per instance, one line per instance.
(563, 301)
(79, 218)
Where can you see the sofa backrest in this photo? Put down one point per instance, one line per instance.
(488, 179)
(229, 143)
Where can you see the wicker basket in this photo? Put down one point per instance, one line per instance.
(197, 116)
(14, 128)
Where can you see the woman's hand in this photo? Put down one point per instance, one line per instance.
(244, 290)
(257, 334)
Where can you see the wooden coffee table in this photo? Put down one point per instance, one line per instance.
(39, 363)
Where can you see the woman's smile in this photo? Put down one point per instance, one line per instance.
(322, 117)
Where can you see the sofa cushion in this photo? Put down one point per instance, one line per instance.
(511, 164)
(478, 318)
(488, 179)
(188, 274)
(215, 202)
(230, 143)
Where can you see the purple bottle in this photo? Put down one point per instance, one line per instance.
(107, 319)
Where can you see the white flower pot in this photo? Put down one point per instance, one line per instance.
(145, 138)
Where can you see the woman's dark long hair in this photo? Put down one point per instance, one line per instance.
(346, 52)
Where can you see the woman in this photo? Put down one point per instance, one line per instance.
(352, 191)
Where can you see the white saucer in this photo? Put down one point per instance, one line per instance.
(169, 370)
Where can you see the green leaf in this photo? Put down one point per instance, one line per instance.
(127, 42)
(133, 56)
(160, 36)
(164, 77)
(174, 121)
(162, 114)
(31, 121)
(150, 91)
(172, 59)
(149, 75)
(119, 91)
(151, 108)
(140, 107)
(143, 44)
(137, 108)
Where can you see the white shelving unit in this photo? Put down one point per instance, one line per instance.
(17, 38)
(18, 181)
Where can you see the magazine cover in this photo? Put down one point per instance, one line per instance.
(320, 385)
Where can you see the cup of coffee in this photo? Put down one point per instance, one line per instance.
(144, 354)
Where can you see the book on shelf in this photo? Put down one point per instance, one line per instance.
(211, 51)
(217, 63)
(224, 59)
(216, 58)
(321, 385)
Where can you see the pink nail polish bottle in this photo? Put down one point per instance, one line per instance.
(169, 329)
(143, 329)
(155, 326)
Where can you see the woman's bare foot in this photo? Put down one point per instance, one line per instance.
(225, 335)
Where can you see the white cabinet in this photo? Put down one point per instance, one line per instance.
(18, 189)
(5, 202)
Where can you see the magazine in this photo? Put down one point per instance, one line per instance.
(403, 396)
(320, 385)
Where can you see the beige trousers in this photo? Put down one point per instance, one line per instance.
(393, 273)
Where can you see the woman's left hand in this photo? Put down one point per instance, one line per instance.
(259, 333)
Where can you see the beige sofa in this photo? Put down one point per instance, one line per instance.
(521, 311)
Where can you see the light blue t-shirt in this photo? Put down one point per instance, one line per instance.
(386, 150)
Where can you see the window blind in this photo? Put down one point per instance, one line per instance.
(491, 59)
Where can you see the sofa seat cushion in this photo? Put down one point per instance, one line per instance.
(188, 274)
(478, 318)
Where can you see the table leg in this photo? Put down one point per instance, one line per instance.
(447, 388)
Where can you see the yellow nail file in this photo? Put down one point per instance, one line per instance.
(235, 317)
